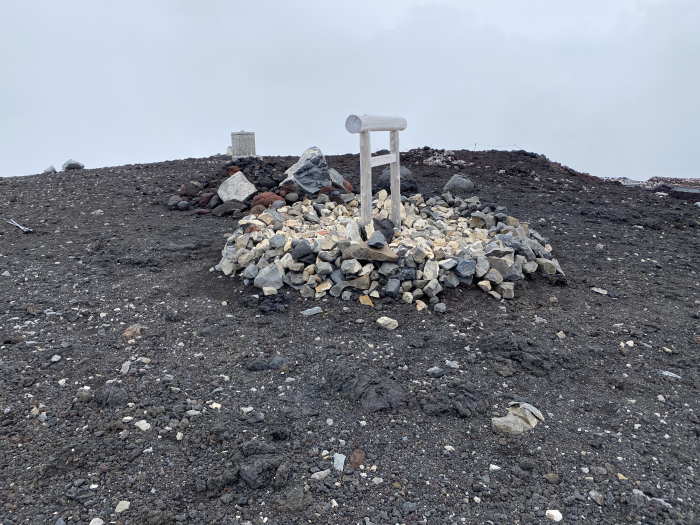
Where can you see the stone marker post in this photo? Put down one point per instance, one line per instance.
(242, 144)
(364, 124)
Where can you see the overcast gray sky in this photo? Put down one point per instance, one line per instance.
(607, 87)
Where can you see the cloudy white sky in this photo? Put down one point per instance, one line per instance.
(607, 87)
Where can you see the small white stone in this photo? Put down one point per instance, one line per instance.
(122, 506)
(553, 515)
(56, 358)
(143, 425)
(125, 367)
(339, 462)
(388, 323)
(493, 467)
(179, 436)
(97, 521)
(321, 475)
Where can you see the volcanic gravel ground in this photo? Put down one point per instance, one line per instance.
(248, 401)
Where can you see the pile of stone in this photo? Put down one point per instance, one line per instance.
(318, 247)
(250, 185)
(445, 159)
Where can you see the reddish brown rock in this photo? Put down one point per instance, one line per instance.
(204, 198)
(265, 199)
(233, 170)
(348, 186)
(202, 211)
(357, 458)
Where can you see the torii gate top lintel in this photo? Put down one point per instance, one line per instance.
(363, 124)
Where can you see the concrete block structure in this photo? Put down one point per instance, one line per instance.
(242, 144)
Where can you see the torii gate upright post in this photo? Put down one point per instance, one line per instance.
(363, 125)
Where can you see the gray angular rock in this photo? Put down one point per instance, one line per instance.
(277, 241)
(324, 268)
(385, 227)
(351, 266)
(336, 178)
(337, 276)
(393, 287)
(310, 172)
(270, 277)
(494, 277)
(459, 185)
(432, 288)
(388, 269)
(251, 271)
(500, 264)
(496, 250)
(302, 249)
(376, 240)
(71, 165)
(338, 288)
(451, 280)
(50, 169)
(408, 182)
(173, 201)
(465, 267)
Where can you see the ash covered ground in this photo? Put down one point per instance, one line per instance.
(244, 406)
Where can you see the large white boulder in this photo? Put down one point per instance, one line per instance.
(236, 188)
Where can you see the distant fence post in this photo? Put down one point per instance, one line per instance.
(364, 124)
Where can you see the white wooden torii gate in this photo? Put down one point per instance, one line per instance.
(363, 124)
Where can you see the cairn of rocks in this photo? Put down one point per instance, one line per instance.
(317, 247)
(444, 159)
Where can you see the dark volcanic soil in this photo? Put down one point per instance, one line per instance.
(246, 399)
